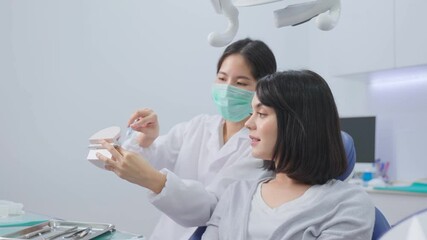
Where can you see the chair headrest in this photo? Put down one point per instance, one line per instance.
(350, 152)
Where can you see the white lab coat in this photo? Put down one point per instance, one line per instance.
(199, 167)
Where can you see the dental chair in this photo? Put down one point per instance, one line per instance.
(411, 227)
(350, 153)
(381, 224)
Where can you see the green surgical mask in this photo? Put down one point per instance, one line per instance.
(233, 103)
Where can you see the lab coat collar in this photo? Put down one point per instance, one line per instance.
(243, 133)
(233, 144)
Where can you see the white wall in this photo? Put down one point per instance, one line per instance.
(351, 56)
(399, 100)
(69, 68)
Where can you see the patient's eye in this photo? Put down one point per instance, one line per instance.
(261, 115)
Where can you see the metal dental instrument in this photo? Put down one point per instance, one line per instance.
(85, 232)
(38, 232)
(129, 131)
(79, 234)
(62, 233)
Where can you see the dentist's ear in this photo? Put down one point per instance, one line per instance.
(329, 19)
(227, 8)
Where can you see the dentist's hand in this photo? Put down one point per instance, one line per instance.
(145, 122)
(133, 168)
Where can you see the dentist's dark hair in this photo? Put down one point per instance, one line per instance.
(309, 147)
(256, 53)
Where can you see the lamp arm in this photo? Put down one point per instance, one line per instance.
(329, 19)
(226, 8)
(326, 11)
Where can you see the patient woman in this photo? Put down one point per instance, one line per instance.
(295, 125)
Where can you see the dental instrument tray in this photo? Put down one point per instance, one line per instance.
(61, 230)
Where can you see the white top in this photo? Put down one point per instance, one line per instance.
(199, 168)
(263, 220)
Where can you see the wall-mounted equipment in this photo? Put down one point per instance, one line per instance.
(325, 12)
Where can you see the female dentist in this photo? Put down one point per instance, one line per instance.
(197, 159)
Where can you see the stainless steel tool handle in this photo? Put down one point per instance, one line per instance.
(35, 233)
(62, 233)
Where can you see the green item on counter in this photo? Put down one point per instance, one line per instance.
(416, 187)
(25, 220)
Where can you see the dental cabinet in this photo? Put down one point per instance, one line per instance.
(386, 35)
(397, 205)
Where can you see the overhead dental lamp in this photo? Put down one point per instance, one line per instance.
(325, 12)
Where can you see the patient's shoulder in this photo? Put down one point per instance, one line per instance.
(243, 187)
(343, 191)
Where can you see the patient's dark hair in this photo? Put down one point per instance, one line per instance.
(256, 53)
(309, 148)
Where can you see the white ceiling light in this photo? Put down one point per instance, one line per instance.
(325, 12)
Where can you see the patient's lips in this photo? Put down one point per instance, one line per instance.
(254, 140)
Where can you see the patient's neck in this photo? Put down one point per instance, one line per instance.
(282, 189)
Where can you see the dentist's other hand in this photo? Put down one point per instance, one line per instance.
(133, 168)
(145, 122)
